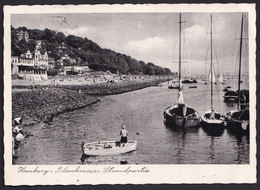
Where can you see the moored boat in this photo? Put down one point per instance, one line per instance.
(181, 115)
(230, 96)
(190, 81)
(174, 116)
(212, 121)
(107, 148)
(173, 87)
(238, 120)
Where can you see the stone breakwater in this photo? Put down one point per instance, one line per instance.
(44, 104)
(113, 88)
(47, 101)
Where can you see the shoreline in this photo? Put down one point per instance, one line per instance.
(44, 102)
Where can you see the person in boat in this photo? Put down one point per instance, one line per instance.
(124, 135)
(17, 126)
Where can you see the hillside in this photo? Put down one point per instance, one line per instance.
(82, 51)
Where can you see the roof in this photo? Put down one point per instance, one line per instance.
(21, 31)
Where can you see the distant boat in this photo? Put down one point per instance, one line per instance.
(192, 86)
(221, 78)
(181, 115)
(225, 89)
(173, 87)
(212, 121)
(238, 120)
(190, 81)
(107, 148)
(213, 79)
(231, 96)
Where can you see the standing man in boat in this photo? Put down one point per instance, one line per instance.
(124, 135)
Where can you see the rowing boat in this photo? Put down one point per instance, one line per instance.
(107, 148)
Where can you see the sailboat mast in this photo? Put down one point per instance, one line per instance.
(211, 64)
(180, 55)
(240, 55)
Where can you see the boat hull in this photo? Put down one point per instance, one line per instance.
(98, 148)
(238, 122)
(213, 127)
(238, 127)
(180, 121)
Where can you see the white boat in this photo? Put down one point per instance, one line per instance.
(107, 148)
(212, 121)
(213, 118)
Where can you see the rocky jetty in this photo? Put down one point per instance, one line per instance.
(113, 88)
(44, 103)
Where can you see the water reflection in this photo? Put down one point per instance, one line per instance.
(212, 148)
(180, 134)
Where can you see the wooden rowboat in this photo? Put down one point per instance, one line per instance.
(107, 148)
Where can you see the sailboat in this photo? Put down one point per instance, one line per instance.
(181, 115)
(221, 79)
(212, 121)
(238, 120)
(173, 86)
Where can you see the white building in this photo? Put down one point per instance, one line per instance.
(29, 67)
(41, 60)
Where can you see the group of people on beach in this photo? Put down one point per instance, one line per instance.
(18, 133)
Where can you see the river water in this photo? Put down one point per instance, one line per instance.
(142, 113)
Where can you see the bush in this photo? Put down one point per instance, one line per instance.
(52, 72)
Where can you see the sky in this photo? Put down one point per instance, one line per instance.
(153, 37)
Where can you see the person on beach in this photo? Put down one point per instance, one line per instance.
(124, 135)
(18, 139)
(17, 126)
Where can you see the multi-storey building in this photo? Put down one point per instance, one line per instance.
(29, 66)
(22, 35)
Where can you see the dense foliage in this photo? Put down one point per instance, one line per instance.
(82, 51)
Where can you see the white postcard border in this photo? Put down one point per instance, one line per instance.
(122, 174)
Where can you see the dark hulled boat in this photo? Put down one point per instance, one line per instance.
(190, 81)
(238, 120)
(181, 115)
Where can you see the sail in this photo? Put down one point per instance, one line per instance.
(213, 78)
(220, 79)
(180, 97)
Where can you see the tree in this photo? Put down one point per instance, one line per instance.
(48, 35)
(60, 37)
(35, 34)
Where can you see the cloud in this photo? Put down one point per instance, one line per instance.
(81, 31)
(195, 30)
(147, 45)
